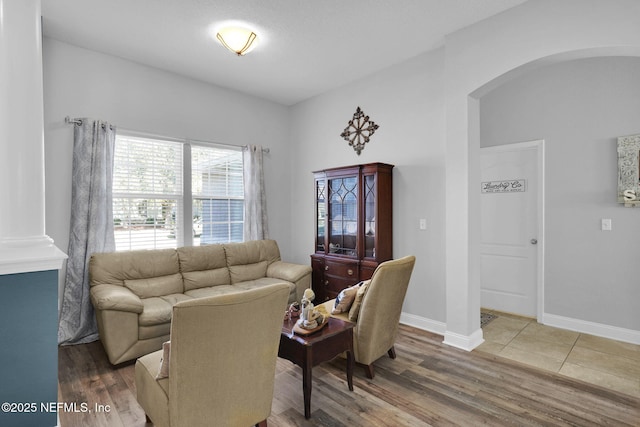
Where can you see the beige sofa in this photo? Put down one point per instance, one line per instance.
(133, 292)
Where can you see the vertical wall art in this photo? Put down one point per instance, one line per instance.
(359, 131)
(629, 170)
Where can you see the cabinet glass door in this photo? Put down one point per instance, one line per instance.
(320, 214)
(370, 216)
(343, 215)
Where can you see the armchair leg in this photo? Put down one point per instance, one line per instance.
(262, 423)
(392, 352)
(368, 370)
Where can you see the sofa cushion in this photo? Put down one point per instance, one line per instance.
(211, 291)
(156, 310)
(252, 251)
(116, 267)
(155, 286)
(203, 266)
(243, 273)
(258, 283)
(173, 299)
(154, 331)
(206, 278)
(197, 258)
(249, 260)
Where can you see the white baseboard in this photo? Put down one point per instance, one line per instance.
(592, 328)
(463, 342)
(423, 323)
(472, 341)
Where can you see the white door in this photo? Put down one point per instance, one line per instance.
(509, 231)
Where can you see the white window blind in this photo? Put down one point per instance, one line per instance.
(218, 194)
(149, 196)
(147, 192)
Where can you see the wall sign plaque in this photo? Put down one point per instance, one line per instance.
(504, 186)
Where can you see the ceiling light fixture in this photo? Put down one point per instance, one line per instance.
(238, 40)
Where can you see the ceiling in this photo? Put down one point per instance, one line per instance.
(306, 47)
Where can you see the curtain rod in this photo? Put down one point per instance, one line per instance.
(69, 120)
(78, 122)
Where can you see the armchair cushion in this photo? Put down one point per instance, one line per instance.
(163, 372)
(357, 302)
(344, 299)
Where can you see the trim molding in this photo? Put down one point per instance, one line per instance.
(470, 342)
(453, 339)
(423, 323)
(29, 254)
(464, 342)
(592, 328)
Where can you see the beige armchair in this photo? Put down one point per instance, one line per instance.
(379, 313)
(221, 369)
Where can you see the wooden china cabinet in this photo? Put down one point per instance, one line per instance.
(353, 226)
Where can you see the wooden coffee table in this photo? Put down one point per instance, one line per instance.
(308, 351)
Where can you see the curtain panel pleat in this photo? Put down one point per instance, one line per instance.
(91, 226)
(255, 200)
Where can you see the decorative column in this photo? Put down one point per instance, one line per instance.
(28, 258)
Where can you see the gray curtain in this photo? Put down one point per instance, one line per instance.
(91, 226)
(255, 200)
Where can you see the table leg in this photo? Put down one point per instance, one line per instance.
(350, 364)
(306, 382)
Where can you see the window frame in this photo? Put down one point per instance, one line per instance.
(184, 202)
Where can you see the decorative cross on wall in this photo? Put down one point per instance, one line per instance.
(359, 130)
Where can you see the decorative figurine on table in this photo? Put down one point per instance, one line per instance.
(293, 311)
(309, 318)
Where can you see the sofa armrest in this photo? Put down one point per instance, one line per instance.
(298, 274)
(287, 271)
(114, 297)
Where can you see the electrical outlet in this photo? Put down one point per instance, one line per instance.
(423, 223)
(606, 224)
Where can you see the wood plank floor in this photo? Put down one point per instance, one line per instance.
(429, 384)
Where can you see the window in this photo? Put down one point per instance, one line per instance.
(218, 194)
(162, 188)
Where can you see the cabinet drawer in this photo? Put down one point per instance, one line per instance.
(341, 269)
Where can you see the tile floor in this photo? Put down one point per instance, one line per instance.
(613, 364)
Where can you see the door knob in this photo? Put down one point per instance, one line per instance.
(534, 241)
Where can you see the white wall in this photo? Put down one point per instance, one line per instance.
(407, 102)
(480, 57)
(427, 110)
(579, 108)
(83, 83)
